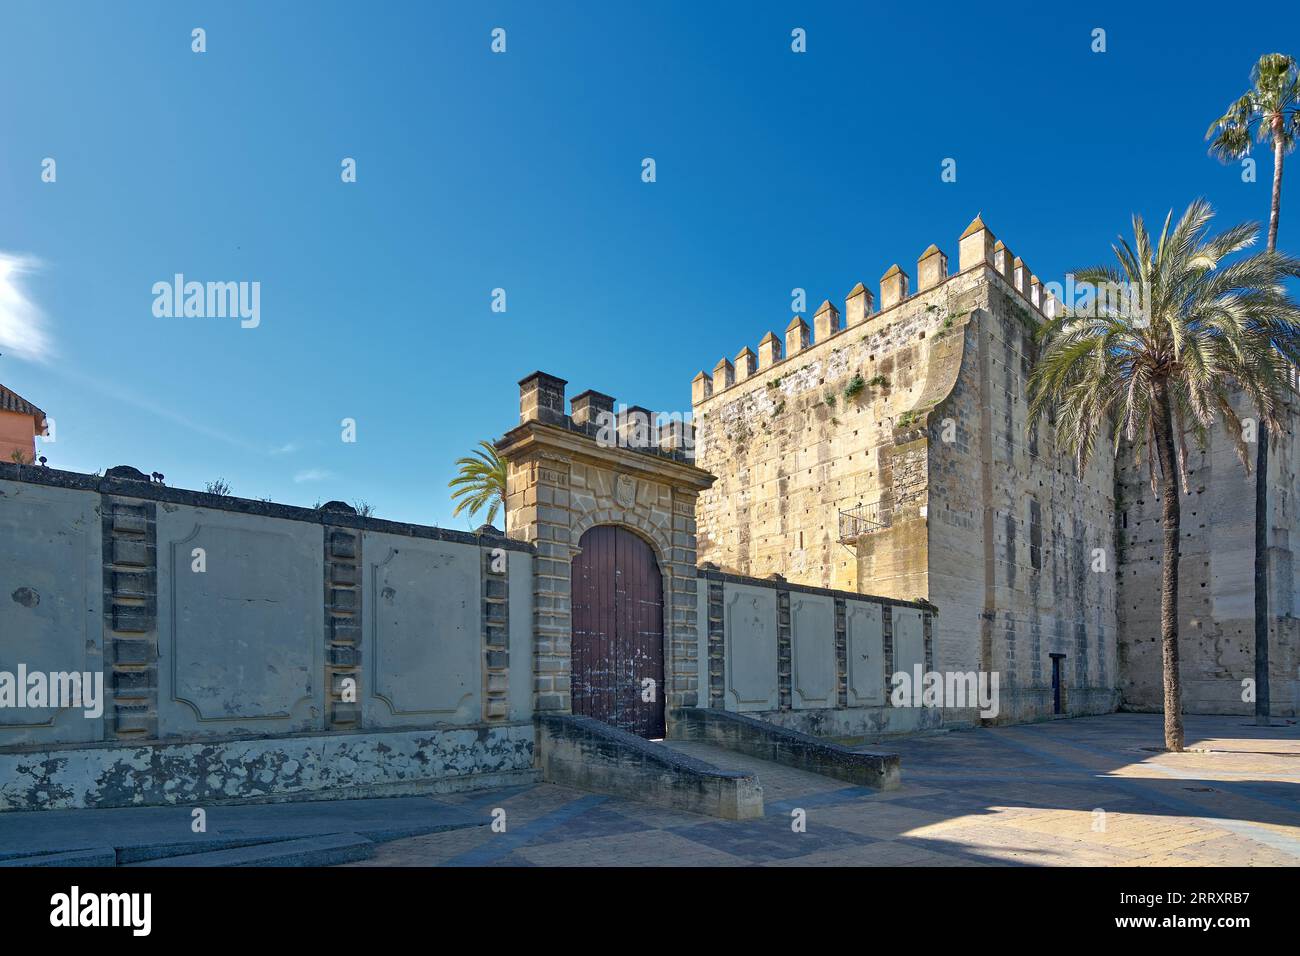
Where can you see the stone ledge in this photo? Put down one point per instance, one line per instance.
(706, 572)
(151, 491)
(757, 738)
(584, 753)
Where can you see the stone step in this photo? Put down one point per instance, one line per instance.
(324, 850)
(91, 856)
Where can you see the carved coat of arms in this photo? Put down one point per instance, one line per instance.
(625, 491)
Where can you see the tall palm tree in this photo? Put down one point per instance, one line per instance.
(1166, 365)
(1268, 112)
(480, 483)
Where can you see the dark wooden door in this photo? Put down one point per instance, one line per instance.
(618, 632)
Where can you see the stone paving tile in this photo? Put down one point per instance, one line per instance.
(599, 822)
(1018, 795)
(665, 849)
(881, 822)
(770, 838)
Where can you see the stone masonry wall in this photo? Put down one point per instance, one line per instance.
(1216, 579)
(892, 457)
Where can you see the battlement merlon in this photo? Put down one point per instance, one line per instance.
(977, 248)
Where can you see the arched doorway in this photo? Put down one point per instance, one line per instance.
(618, 632)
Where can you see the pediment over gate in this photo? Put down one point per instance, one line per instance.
(567, 474)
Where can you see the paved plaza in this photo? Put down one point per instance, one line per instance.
(1083, 792)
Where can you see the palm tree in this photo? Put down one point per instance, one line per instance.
(1165, 366)
(1270, 110)
(481, 482)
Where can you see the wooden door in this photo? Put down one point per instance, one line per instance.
(618, 632)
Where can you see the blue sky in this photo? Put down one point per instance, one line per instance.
(522, 171)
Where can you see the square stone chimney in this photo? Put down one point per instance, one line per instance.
(635, 428)
(541, 399)
(590, 406)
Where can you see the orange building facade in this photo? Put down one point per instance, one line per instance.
(20, 423)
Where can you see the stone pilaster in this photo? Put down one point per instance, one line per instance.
(343, 596)
(927, 629)
(495, 577)
(717, 646)
(682, 631)
(842, 652)
(545, 518)
(887, 642)
(130, 561)
(783, 655)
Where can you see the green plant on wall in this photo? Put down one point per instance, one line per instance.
(878, 381)
(855, 387)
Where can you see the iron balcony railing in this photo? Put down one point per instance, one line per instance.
(863, 519)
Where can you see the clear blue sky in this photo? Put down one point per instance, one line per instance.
(523, 171)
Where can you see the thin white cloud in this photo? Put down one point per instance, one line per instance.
(122, 395)
(312, 474)
(22, 324)
(288, 448)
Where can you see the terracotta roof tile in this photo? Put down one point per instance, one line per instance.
(13, 402)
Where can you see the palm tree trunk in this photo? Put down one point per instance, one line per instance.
(1276, 209)
(1171, 517)
(1262, 703)
(1261, 578)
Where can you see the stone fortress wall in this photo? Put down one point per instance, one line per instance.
(890, 454)
(1216, 578)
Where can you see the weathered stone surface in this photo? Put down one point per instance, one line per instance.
(335, 765)
(895, 459)
(865, 654)
(422, 632)
(750, 628)
(812, 643)
(50, 601)
(240, 646)
(584, 753)
(1216, 578)
(757, 738)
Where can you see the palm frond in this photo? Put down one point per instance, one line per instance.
(480, 482)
